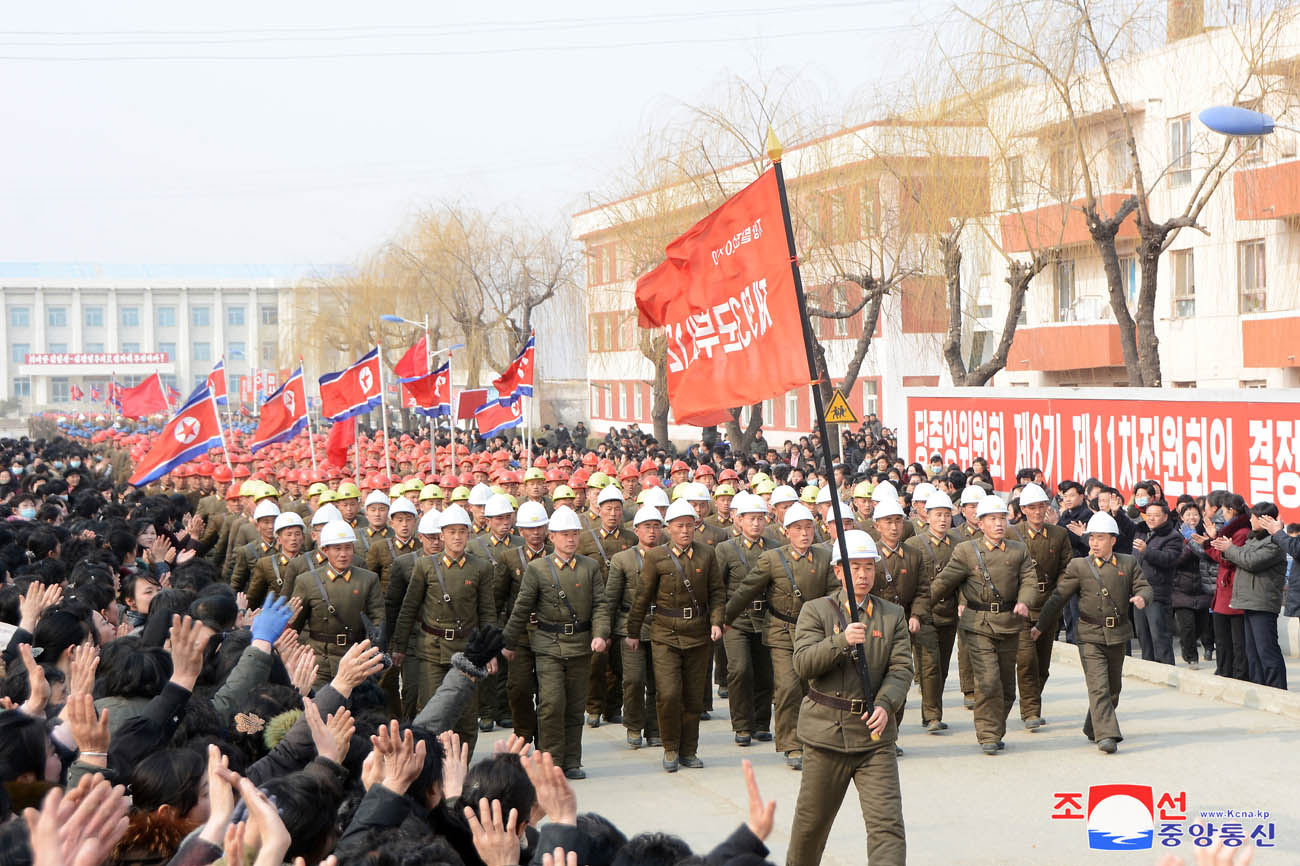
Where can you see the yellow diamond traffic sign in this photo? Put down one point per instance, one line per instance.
(838, 412)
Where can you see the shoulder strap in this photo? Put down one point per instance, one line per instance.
(789, 572)
(275, 567)
(564, 597)
(984, 572)
(442, 584)
(595, 536)
(392, 551)
(324, 596)
(686, 581)
(929, 548)
(1105, 593)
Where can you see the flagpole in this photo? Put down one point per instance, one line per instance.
(302, 366)
(356, 447)
(216, 411)
(451, 416)
(161, 387)
(774, 152)
(383, 410)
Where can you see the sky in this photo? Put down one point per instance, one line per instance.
(312, 132)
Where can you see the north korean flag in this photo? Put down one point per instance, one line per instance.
(495, 417)
(352, 391)
(76, 393)
(94, 394)
(283, 415)
(430, 395)
(517, 380)
(192, 433)
(217, 382)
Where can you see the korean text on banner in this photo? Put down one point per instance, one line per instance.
(725, 298)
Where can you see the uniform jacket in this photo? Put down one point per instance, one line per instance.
(383, 553)
(712, 534)
(664, 586)
(496, 551)
(1052, 551)
(269, 575)
(583, 601)
(1261, 574)
(769, 580)
(426, 619)
(245, 556)
(1008, 566)
(620, 592)
(737, 557)
(352, 594)
(935, 556)
(516, 562)
(821, 657)
(600, 546)
(902, 578)
(1121, 579)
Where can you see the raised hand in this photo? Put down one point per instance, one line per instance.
(188, 640)
(496, 841)
(455, 764)
(35, 602)
(555, 795)
(272, 620)
(89, 730)
(40, 688)
(406, 760)
(84, 661)
(273, 836)
(360, 661)
(762, 815)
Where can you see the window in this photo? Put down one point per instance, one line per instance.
(20, 317)
(769, 407)
(1254, 383)
(56, 348)
(165, 316)
(1061, 164)
(18, 352)
(235, 316)
(1184, 384)
(841, 326)
(607, 331)
(1251, 277)
(1128, 277)
(22, 388)
(870, 397)
(235, 351)
(56, 317)
(130, 317)
(202, 351)
(133, 347)
(1180, 150)
(1063, 286)
(201, 317)
(168, 349)
(268, 352)
(1118, 166)
(1184, 284)
(94, 348)
(270, 315)
(595, 401)
(609, 401)
(792, 410)
(94, 316)
(59, 391)
(638, 400)
(1015, 180)
(622, 400)
(600, 264)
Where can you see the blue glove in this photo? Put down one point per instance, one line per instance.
(273, 618)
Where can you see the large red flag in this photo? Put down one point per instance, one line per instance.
(144, 399)
(414, 364)
(192, 433)
(517, 380)
(726, 301)
(429, 395)
(283, 415)
(342, 435)
(352, 391)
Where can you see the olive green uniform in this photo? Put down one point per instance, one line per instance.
(1050, 547)
(369, 537)
(785, 582)
(713, 535)
(638, 666)
(565, 597)
(837, 742)
(749, 662)
(966, 676)
(1104, 631)
(933, 659)
(521, 678)
(269, 576)
(399, 578)
(444, 601)
(245, 556)
(380, 557)
(605, 687)
(332, 605)
(242, 531)
(992, 579)
(493, 703)
(685, 587)
(903, 579)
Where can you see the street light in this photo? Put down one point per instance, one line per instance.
(1236, 121)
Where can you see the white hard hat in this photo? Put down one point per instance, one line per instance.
(891, 508)
(680, 508)
(797, 512)
(748, 503)
(696, 492)
(479, 495)
(1103, 523)
(401, 505)
(454, 515)
(265, 508)
(938, 499)
(1032, 494)
(846, 513)
(990, 505)
(923, 492)
(884, 492)
(971, 494)
(377, 497)
(497, 506)
(656, 496)
(564, 520)
(531, 515)
(645, 514)
(325, 514)
(824, 495)
(337, 532)
(287, 519)
(429, 523)
(611, 493)
(783, 493)
(859, 544)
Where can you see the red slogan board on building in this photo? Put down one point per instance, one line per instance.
(1213, 440)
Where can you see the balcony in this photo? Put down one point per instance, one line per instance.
(1267, 193)
(1268, 340)
(1059, 225)
(1065, 346)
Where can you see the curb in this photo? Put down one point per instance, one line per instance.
(1288, 635)
(1201, 683)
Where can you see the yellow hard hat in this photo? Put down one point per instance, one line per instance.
(328, 496)
(431, 491)
(460, 494)
(764, 486)
(809, 494)
(396, 490)
(317, 489)
(862, 490)
(723, 490)
(599, 480)
(760, 476)
(348, 490)
(412, 484)
(266, 492)
(250, 487)
(564, 491)
(534, 474)
(514, 503)
(498, 489)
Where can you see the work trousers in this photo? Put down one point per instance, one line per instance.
(826, 777)
(1033, 661)
(925, 649)
(1230, 646)
(1263, 654)
(1191, 625)
(605, 682)
(681, 677)
(749, 681)
(964, 670)
(1155, 627)
(993, 666)
(561, 692)
(639, 691)
(946, 635)
(788, 691)
(1103, 673)
(521, 691)
(717, 673)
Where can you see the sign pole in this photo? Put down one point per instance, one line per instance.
(774, 151)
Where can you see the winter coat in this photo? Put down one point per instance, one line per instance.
(1194, 578)
(1291, 604)
(1238, 529)
(1261, 573)
(1160, 559)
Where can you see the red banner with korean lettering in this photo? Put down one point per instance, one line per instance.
(1121, 436)
(725, 299)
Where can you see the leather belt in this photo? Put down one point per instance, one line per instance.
(676, 612)
(331, 638)
(758, 604)
(1104, 622)
(858, 706)
(991, 607)
(565, 628)
(444, 633)
(793, 620)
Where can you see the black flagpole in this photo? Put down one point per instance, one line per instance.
(774, 151)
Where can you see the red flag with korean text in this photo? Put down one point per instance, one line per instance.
(726, 301)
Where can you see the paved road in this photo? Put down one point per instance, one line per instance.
(962, 807)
